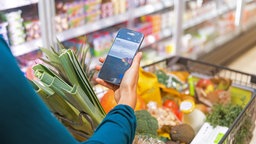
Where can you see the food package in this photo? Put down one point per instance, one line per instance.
(3, 31)
(61, 22)
(148, 87)
(16, 31)
(211, 91)
(107, 9)
(33, 30)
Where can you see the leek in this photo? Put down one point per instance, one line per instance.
(63, 83)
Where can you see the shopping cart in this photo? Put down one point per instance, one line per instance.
(241, 79)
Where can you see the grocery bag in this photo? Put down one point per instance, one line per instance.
(148, 87)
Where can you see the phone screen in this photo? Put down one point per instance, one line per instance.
(120, 56)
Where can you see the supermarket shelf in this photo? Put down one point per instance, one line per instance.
(226, 38)
(151, 39)
(225, 50)
(205, 17)
(9, 4)
(107, 22)
(218, 42)
(90, 27)
(252, 23)
(26, 47)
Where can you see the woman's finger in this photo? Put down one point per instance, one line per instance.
(97, 67)
(102, 60)
(106, 84)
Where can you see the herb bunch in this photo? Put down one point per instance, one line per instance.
(223, 115)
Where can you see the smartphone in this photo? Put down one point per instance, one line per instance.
(120, 56)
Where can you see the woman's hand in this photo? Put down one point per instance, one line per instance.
(126, 93)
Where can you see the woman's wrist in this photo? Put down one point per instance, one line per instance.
(128, 98)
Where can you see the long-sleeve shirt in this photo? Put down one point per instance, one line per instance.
(25, 119)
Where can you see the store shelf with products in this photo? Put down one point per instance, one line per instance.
(30, 46)
(227, 47)
(208, 16)
(192, 19)
(21, 28)
(220, 30)
(227, 52)
(113, 20)
(152, 19)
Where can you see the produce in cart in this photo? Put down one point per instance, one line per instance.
(190, 98)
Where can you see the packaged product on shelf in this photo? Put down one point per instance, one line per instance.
(77, 20)
(166, 47)
(33, 30)
(167, 19)
(92, 10)
(106, 9)
(92, 5)
(119, 6)
(77, 13)
(101, 42)
(61, 22)
(13, 16)
(155, 22)
(16, 30)
(3, 31)
(249, 14)
(74, 8)
(92, 16)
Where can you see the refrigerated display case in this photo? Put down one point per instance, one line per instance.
(22, 28)
(153, 18)
(198, 29)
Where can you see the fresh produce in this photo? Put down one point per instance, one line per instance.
(223, 115)
(164, 116)
(146, 124)
(213, 91)
(108, 101)
(206, 84)
(182, 133)
(144, 139)
(173, 106)
(64, 86)
(221, 83)
(170, 80)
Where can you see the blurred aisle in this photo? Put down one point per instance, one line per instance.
(246, 63)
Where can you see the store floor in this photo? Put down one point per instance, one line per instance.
(246, 63)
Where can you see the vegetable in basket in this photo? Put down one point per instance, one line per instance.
(146, 124)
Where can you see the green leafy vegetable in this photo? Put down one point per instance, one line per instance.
(146, 124)
(223, 115)
(64, 85)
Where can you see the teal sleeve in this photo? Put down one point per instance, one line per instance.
(117, 128)
(25, 119)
